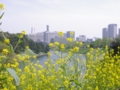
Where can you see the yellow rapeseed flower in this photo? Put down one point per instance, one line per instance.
(21, 36)
(5, 51)
(5, 89)
(60, 34)
(66, 83)
(2, 6)
(51, 44)
(62, 47)
(23, 33)
(34, 57)
(69, 39)
(81, 43)
(7, 41)
(96, 88)
(76, 49)
(56, 43)
(49, 54)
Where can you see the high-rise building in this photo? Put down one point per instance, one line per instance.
(47, 27)
(104, 33)
(49, 35)
(68, 35)
(119, 32)
(112, 30)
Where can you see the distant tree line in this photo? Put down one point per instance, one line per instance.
(36, 47)
(101, 43)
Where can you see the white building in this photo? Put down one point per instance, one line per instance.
(59, 39)
(39, 37)
(49, 35)
(81, 38)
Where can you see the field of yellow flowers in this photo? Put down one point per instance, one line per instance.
(99, 71)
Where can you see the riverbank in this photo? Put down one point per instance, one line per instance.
(41, 54)
(81, 51)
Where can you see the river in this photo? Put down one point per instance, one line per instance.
(43, 59)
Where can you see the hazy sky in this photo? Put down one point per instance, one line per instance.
(85, 17)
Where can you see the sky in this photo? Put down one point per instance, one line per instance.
(85, 17)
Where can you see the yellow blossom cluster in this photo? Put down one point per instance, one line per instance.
(98, 69)
(72, 73)
(7, 41)
(2, 6)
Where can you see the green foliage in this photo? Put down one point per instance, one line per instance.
(29, 52)
(14, 75)
(23, 42)
(101, 43)
(114, 45)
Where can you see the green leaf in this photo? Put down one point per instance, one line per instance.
(62, 87)
(2, 79)
(3, 68)
(1, 15)
(71, 80)
(20, 41)
(14, 75)
(77, 83)
(11, 49)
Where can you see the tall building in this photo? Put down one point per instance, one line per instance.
(59, 39)
(47, 27)
(104, 33)
(49, 35)
(68, 35)
(119, 32)
(81, 38)
(112, 30)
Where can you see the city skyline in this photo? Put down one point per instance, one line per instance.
(84, 17)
